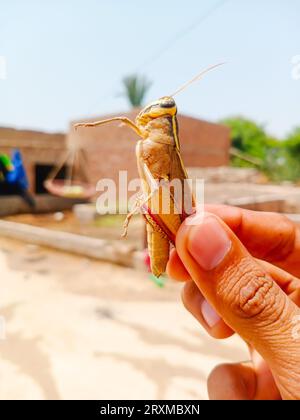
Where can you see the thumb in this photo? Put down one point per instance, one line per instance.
(244, 295)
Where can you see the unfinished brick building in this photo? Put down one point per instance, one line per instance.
(40, 152)
(108, 150)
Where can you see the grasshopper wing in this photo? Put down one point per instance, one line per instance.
(183, 198)
(162, 217)
(158, 248)
(162, 225)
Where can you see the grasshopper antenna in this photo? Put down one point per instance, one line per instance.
(197, 77)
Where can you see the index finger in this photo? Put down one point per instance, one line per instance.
(268, 236)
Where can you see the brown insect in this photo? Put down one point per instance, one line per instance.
(167, 198)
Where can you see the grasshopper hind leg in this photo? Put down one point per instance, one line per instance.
(158, 248)
(158, 243)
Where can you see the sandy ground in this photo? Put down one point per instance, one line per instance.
(74, 328)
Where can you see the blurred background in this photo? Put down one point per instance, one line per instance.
(80, 315)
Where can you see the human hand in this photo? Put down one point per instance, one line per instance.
(231, 286)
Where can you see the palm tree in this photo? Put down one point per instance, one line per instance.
(136, 88)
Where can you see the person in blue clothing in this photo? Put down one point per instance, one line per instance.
(13, 178)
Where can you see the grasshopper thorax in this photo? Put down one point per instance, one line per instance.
(163, 107)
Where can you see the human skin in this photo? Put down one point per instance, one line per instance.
(240, 270)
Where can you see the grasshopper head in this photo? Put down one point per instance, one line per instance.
(163, 107)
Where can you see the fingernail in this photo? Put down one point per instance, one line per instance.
(209, 314)
(208, 243)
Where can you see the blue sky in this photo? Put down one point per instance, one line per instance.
(66, 58)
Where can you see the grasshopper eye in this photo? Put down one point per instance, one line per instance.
(164, 106)
(167, 102)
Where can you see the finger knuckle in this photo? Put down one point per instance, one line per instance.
(250, 292)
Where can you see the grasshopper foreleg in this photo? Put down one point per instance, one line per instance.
(124, 120)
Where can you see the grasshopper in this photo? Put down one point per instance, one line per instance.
(159, 160)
